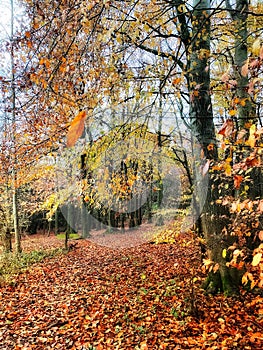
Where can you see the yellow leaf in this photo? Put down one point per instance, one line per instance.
(224, 253)
(76, 128)
(252, 129)
(181, 8)
(256, 47)
(228, 169)
(251, 141)
(256, 259)
(244, 279)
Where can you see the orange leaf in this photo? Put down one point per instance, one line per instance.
(260, 235)
(232, 112)
(76, 128)
(237, 181)
(243, 102)
(176, 81)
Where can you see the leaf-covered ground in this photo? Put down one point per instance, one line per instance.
(144, 297)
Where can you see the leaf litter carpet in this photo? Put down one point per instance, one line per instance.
(143, 297)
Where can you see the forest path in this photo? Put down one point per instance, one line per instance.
(140, 297)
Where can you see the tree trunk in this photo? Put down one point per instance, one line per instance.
(213, 217)
(201, 114)
(246, 112)
(7, 241)
(56, 223)
(85, 221)
(14, 131)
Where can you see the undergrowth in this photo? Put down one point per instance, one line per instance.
(71, 236)
(12, 264)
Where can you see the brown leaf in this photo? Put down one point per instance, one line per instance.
(252, 161)
(237, 181)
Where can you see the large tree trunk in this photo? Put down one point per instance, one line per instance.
(213, 217)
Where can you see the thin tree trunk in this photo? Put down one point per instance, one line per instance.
(18, 247)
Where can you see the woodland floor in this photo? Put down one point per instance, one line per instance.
(136, 297)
